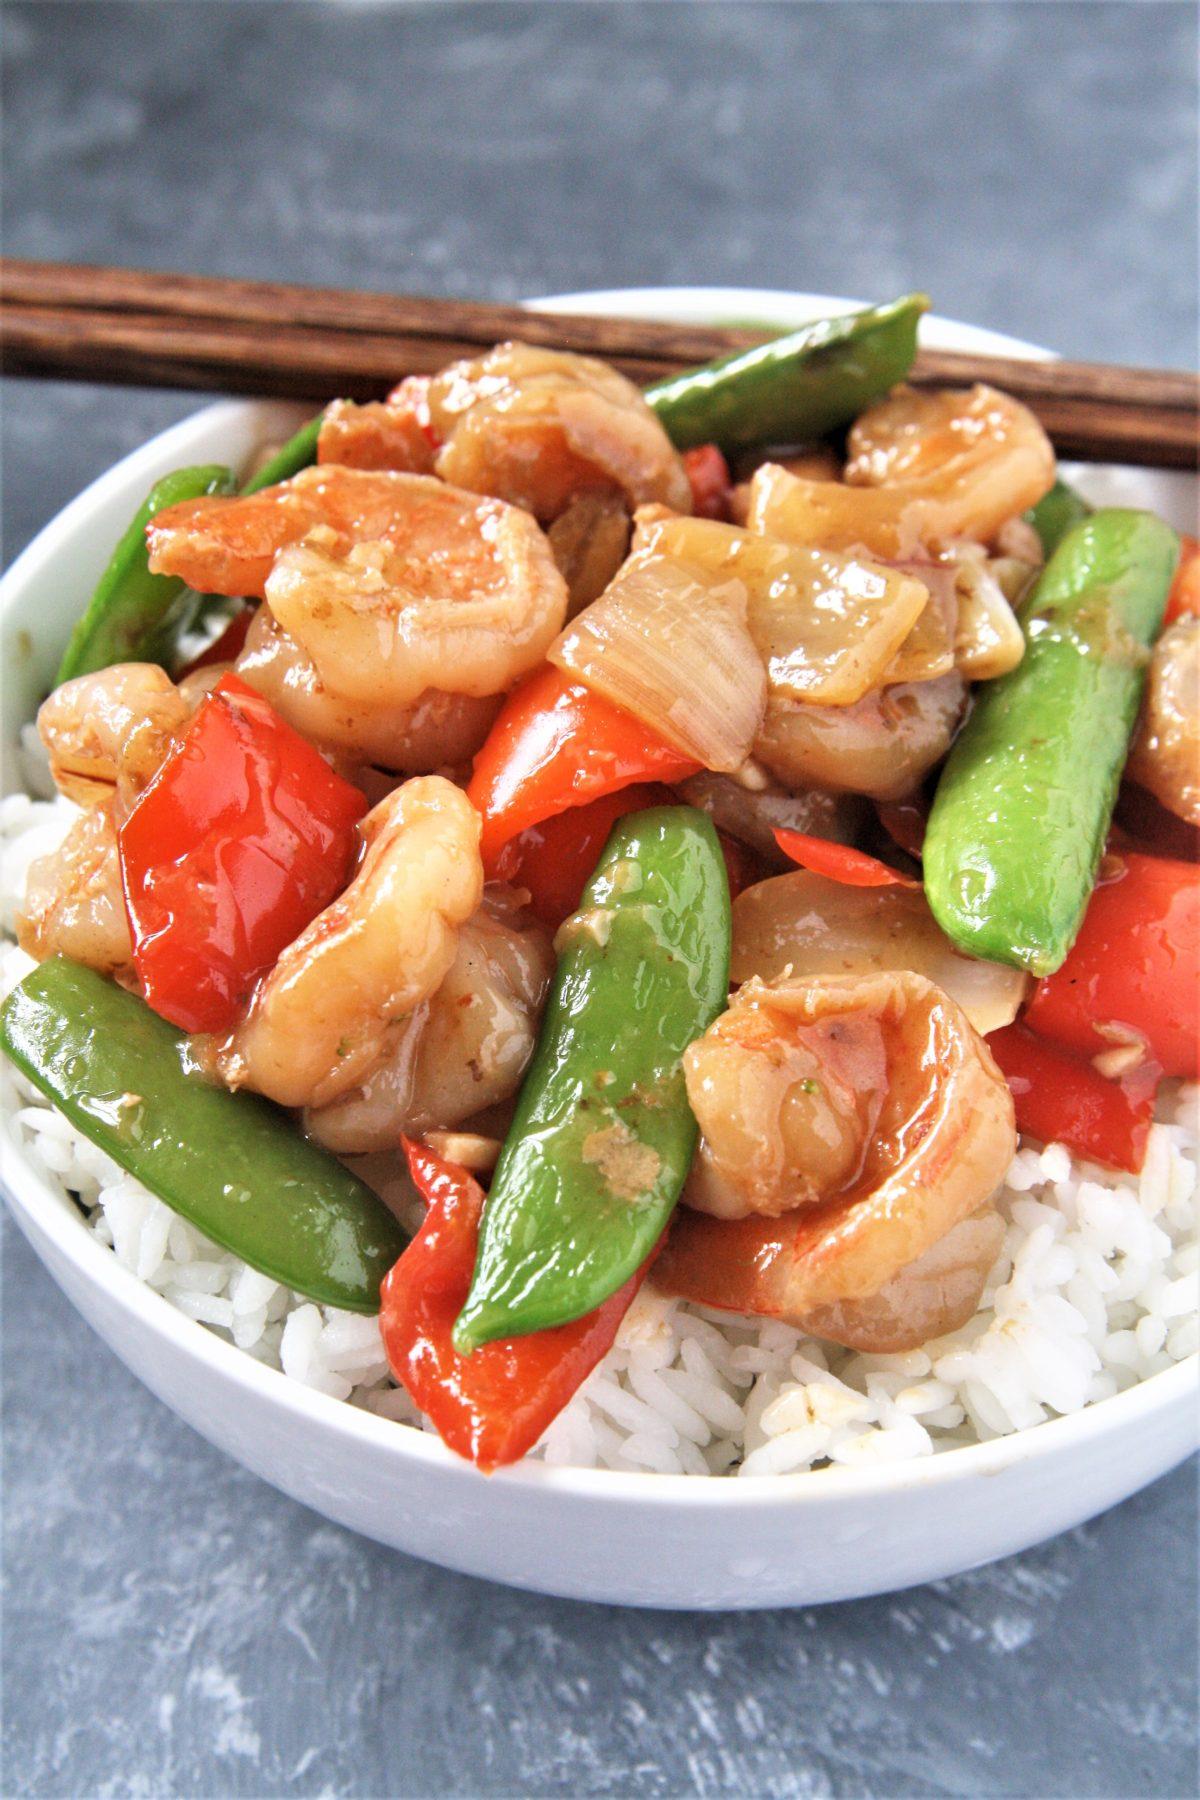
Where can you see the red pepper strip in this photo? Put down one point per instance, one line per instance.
(556, 858)
(555, 745)
(1134, 971)
(853, 868)
(708, 473)
(241, 839)
(1062, 1099)
(493, 1405)
(226, 648)
(1184, 596)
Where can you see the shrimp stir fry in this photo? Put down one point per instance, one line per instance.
(475, 828)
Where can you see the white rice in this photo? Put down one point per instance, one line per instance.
(1096, 1289)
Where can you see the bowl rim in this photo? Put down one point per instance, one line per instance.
(30, 1190)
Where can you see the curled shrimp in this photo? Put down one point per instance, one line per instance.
(535, 427)
(390, 583)
(107, 733)
(926, 469)
(436, 731)
(849, 1124)
(464, 1050)
(973, 458)
(332, 1007)
(883, 745)
(73, 903)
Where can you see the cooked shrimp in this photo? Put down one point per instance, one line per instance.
(863, 1109)
(437, 731)
(973, 457)
(385, 625)
(464, 1049)
(883, 745)
(1166, 751)
(925, 1299)
(331, 1009)
(73, 902)
(534, 427)
(107, 733)
(925, 470)
(786, 1107)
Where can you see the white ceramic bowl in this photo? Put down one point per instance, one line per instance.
(648, 1540)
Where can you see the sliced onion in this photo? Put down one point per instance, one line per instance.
(819, 927)
(827, 624)
(928, 650)
(671, 646)
(988, 640)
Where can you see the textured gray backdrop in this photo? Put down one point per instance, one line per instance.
(174, 1627)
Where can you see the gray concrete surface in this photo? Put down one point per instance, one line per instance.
(172, 1626)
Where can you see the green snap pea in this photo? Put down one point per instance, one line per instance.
(1055, 514)
(1025, 799)
(603, 1135)
(794, 388)
(230, 1163)
(133, 616)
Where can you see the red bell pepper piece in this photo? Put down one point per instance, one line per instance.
(555, 745)
(556, 858)
(1134, 971)
(1184, 596)
(493, 1405)
(853, 868)
(708, 473)
(1062, 1099)
(241, 839)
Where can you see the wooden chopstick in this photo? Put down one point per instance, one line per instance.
(252, 337)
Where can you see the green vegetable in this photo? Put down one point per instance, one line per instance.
(230, 1163)
(133, 615)
(1023, 806)
(1056, 513)
(796, 387)
(289, 459)
(603, 1135)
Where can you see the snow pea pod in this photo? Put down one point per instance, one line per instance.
(1056, 513)
(1025, 799)
(229, 1163)
(133, 615)
(603, 1135)
(796, 387)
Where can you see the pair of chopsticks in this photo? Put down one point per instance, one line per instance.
(144, 328)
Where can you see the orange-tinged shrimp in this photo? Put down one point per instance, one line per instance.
(849, 1124)
(331, 1009)
(536, 427)
(73, 903)
(391, 583)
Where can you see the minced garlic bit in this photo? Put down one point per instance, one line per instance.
(629, 1167)
(467, 1148)
(595, 923)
